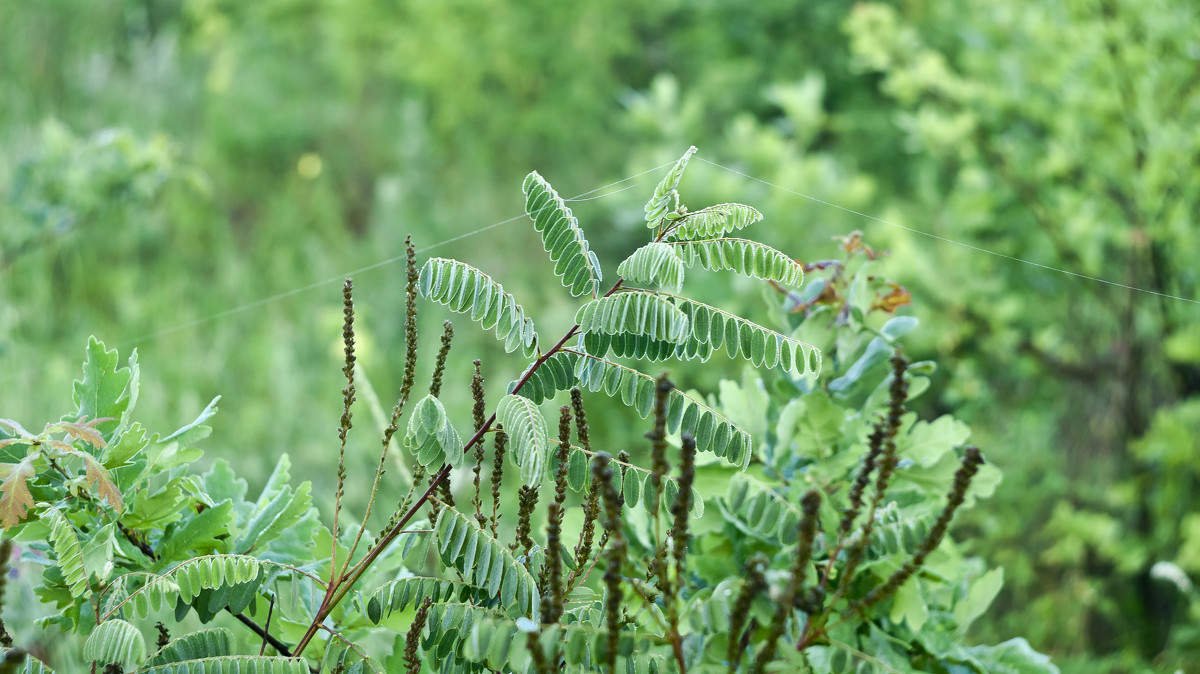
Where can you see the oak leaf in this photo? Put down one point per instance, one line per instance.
(15, 497)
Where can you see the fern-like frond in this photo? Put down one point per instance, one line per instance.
(653, 264)
(207, 643)
(759, 511)
(714, 221)
(231, 664)
(562, 237)
(713, 432)
(527, 436)
(487, 561)
(637, 485)
(762, 347)
(748, 258)
(69, 553)
(115, 641)
(665, 192)
(500, 643)
(642, 347)
(397, 594)
(465, 289)
(900, 530)
(634, 312)
(446, 628)
(187, 580)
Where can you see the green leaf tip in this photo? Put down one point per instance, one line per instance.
(104, 390)
(562, 237)
(666, 191)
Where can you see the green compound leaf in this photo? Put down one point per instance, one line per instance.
(115, 641)
(666, 191)
(203, 643)
(714, 221)
(645, 348)
(31, 666)
(634, 312)
(69, 552)
(232, 664)
(712, 431)
(562, 237)
(528, 438)
(476, 554)
(654, 264)
(757, 510)
(762, 347)
(449, 624)
(397, 595)
(431, 436)
(748, 258)
(188, 580)
(465, 289)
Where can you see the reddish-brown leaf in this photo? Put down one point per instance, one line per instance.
(15, 497)
(85, 431)
(105, 487)
(61, 446)
(17, 428)
(898, 297)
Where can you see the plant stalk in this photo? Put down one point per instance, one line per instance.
(338, 589)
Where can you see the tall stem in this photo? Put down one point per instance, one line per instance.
(341, 586)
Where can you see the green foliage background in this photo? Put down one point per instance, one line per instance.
(165, 161)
